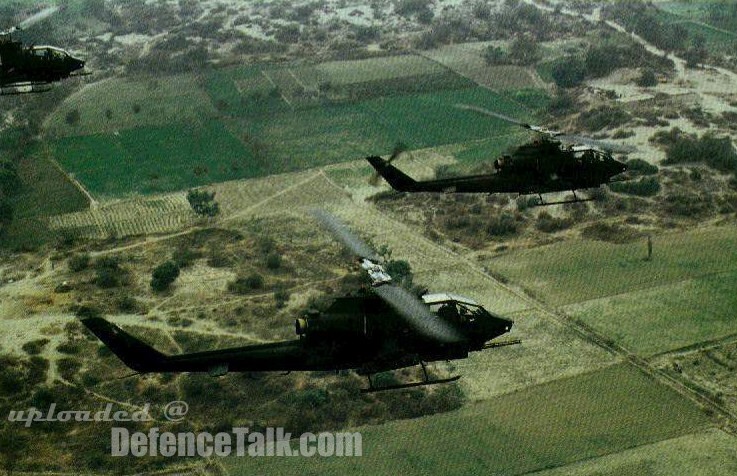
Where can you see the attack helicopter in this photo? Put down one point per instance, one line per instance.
(386, 329)
(554, 162)
(32, 69)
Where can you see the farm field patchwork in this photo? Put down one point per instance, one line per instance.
(665, 317)
(176, 140)
(576, 271)
(590, 415)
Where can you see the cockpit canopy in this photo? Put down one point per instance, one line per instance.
(50, 52)
(454, 307)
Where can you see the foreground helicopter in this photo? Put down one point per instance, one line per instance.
(388, 329)
(32, 69)
(543, 166)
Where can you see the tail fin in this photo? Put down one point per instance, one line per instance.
(396, 178)
(136, 354)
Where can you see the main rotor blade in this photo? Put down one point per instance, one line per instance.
(486, 112)
(604, 145)
(40, 16)
(344, 235)
(416, 313)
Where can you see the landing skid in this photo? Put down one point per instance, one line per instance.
(426, 381)
(24, 88)
(543, 203)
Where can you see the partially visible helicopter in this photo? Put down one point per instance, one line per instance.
(32, 69)
(387, 329)
(549, 164)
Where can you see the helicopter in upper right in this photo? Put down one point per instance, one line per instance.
(555, 162)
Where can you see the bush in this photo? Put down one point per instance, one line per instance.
(603, 116)
(246, 284)
(503, 224)
(569, 73)
(273, 261)
(72, 117)
(550, 224)
(35, 347)
(281, 296)
(78, 263)
(494, 55)
(687, 205)
(163, 275)
(645, 187)
(717, 152)
(610, 232)
(641, 167)
(108, 277)
(203, 202)
(647, 78)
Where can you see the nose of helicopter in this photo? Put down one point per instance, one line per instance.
(75, 63)
(616, 167)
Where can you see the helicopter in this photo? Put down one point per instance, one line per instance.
(32, 69)
(545, 165)
(386, 329)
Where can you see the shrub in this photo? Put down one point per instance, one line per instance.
(72, 117)
(203, 202)
(273, 261)
(163, 275)
(550, 224)
(647, 78)
(108, 277)
(281, 296)
(645, 187)
(717, 152)
(641, 167)
(34, 347)
(246, 284)
(603, 116)
(78, 263)
(569, 73)
(610, 232)
(503, 224)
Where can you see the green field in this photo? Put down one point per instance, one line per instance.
(258, 91)
(710, 452)
(375, 69)
(666, 317)
(45, 192)
(541, 427)
(336, 133)
(576, 271)
(156, 159)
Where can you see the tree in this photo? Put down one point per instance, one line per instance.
(524, 50)
(495, 55)
(163, 275)
(647, 78)
(569, 73)
(400, 271)
(203, 202)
